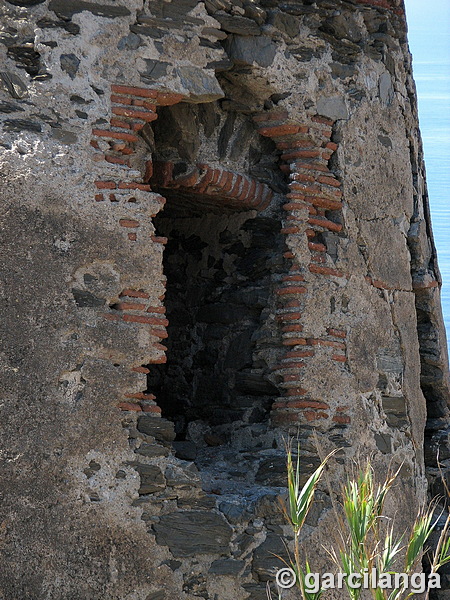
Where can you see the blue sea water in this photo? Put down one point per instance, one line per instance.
(429, 41)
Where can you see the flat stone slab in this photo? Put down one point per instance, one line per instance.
(193, 532)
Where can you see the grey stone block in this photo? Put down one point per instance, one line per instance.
(333, 107)
(265, 558)
(21, 125)
(152, 479)
(384, 443)
(386, 89)
(259, 50)
(129, 42)
(237, 24)
(201, 86)
(154, 69)
(25, 2)
(193, 532)
(227, 566)
(13, 85)
(152, 450)
(159, 428)
(69, 63)
(67, 8)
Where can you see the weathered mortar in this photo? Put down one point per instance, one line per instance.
(299, 116)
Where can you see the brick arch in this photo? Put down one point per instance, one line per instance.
(306, 150)
(214, 187)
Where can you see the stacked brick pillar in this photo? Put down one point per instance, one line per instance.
(133, 203)
(314, 194)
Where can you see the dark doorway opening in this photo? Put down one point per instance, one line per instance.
(219, 269)
(222, 262)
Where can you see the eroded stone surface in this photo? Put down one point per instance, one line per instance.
(148, 383)
(194, 532)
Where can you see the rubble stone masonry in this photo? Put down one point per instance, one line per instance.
(215, 235)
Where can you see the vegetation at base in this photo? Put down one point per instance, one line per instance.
(368, 545)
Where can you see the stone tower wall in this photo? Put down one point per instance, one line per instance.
(215, 234)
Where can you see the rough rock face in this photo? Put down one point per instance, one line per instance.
(215, 233)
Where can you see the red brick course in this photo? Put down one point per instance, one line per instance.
(314, 189)
(131, 108)
(214, 186)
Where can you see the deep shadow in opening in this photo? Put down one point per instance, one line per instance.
(222, 266)
(219, 270)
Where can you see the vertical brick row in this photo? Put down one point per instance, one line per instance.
(131, 109)
(134, 310)
(314, 192)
